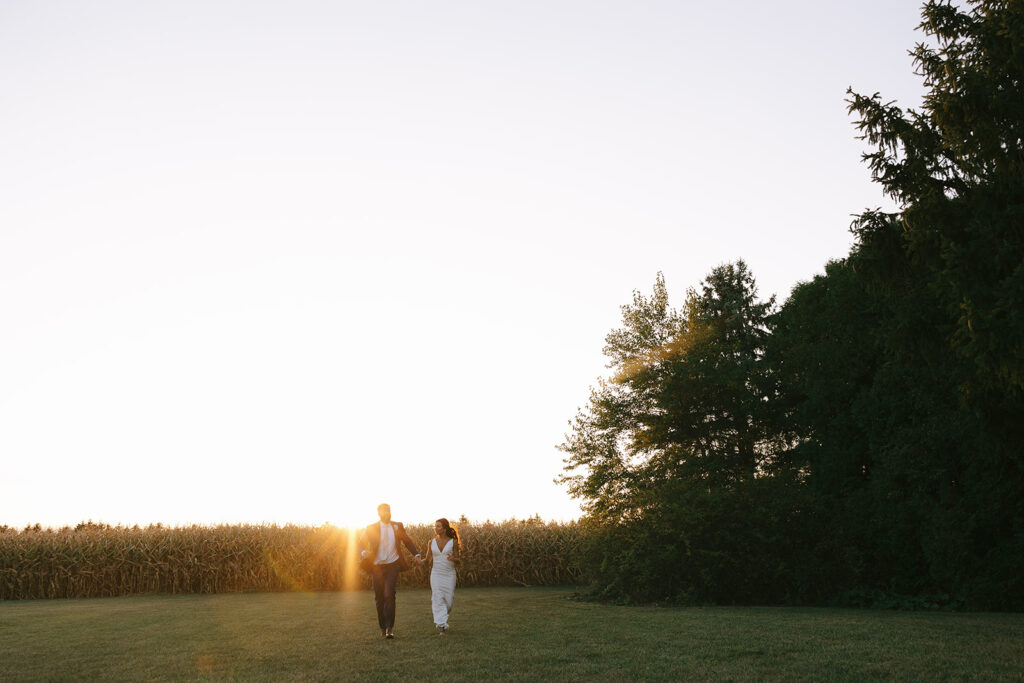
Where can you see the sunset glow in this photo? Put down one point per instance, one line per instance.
(282, 262)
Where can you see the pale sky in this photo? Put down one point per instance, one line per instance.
(281, 261)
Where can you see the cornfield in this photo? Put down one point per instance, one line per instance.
(95, 560)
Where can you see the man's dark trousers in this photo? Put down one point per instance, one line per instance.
(385, 576)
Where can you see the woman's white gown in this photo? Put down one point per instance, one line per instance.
(442, 582)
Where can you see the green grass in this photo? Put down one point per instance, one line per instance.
(497, 634)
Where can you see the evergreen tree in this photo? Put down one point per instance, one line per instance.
(867, 438)
(956, 168)
(903, 364)
(672, 456)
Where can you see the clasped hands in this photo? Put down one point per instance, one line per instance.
(417, 559)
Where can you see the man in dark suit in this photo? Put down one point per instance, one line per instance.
(382, 558)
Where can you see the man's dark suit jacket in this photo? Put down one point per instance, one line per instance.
(370, 540)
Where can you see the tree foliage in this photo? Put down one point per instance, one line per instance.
(673, 453)
(867, 438)
(684, 403)
(947, 272)
(956, 167)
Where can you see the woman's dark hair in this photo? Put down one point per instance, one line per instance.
(451, 532)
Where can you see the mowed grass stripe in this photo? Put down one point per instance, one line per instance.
(498, 634)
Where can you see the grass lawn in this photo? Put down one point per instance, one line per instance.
(497, 634)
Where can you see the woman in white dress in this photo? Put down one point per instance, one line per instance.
(444, 554)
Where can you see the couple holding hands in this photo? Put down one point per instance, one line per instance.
(382, 559)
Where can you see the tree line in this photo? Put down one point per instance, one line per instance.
(863, 442)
